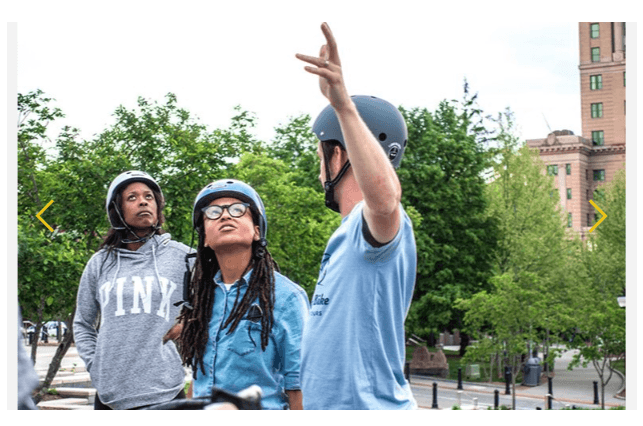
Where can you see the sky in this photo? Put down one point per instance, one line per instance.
(216, 57)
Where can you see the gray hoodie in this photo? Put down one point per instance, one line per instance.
(134, 292)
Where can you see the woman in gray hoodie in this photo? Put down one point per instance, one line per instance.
(126, 301)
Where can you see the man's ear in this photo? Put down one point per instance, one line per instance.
(339, 158)
(257, 236)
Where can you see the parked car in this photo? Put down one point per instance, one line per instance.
(50, 328)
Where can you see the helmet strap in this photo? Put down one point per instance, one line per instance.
(126, 227)
(329, 185)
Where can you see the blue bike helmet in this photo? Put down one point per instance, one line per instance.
(382, 118)
(121, 181)
(234, 189)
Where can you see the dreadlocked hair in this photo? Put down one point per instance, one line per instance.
(195, 334)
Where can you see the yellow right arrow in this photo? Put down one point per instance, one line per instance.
(601, 212)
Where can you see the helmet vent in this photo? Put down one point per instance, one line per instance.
(382, 137)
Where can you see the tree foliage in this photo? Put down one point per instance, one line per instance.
(600, 277)
(530, 294)
(299, 224)
(493, 251)
(442, 178)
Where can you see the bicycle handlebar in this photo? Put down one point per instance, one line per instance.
(247, 399)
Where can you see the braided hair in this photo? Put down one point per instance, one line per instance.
(261, 286)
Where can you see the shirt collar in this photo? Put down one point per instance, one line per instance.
(242, 281)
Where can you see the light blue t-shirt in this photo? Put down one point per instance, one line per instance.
(353, 349)
(235, 361)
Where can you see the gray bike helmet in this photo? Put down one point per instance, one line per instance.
(121, 181)
(382, 118)
(234, 189)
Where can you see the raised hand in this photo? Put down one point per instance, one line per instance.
(328, 68)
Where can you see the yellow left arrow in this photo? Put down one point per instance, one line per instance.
(41, 212)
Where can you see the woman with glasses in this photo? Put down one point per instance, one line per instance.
(242, 321)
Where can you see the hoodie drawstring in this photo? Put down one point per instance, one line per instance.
(118, 268)
(156, 269)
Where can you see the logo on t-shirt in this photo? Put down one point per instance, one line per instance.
(322, 268)
(140, 291)
(319, 301)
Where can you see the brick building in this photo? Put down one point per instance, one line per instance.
(581, 164)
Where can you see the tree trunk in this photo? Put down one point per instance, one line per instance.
(37, 329)
(464, 342)
(431, 340)
(491, 360)
(515, 369)
(34, 342)
(513, 390)
(602, 395)
(54, 365)
(500, 372)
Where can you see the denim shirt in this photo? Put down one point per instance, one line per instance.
(235, 361)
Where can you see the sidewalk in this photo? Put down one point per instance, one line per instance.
(568, 387)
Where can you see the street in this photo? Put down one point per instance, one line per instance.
(448, 396)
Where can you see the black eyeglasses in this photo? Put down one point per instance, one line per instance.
(214, 212)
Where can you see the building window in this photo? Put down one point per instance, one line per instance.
(597, 110)
(595, 82)
(599, 175)
(586, 174)
(568, 169)
(593, 30)
(569, 193)
(587, 194)
(596, 54)
(552, 170)
(589, 220)
(598, 137)
(569, 220)
(623, 78)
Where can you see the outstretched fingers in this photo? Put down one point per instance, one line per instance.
(328, 68)
(319, 62)
(331, 45)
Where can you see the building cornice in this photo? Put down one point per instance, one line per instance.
(573, 149)
(591, 66)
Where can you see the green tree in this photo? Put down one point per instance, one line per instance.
(442, 178)
(36, 290)
(530, 294)
(296, 145)
(35, 113)
(162, 139)
(49, 264)
(508, 313)
(600, 274)
(611, 232)
(299, 224)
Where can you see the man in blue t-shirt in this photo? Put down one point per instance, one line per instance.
(353, 347)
